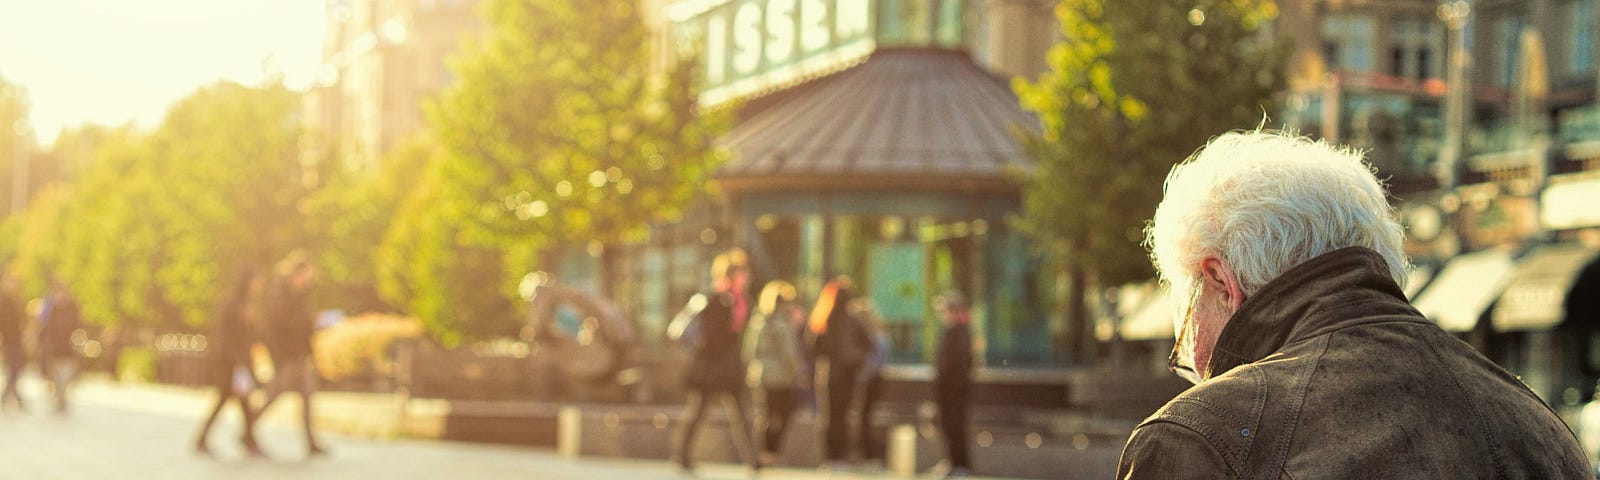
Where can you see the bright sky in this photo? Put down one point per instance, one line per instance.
(114, 61)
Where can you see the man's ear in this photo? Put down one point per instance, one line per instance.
(1217, 275)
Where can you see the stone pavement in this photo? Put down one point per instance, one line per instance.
(146, 432)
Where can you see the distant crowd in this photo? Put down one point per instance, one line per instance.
(51, 319)
(769, 359)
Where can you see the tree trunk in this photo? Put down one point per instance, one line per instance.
(1077, 315)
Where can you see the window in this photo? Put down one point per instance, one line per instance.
(921, 22)
(1413, 45)
(1348, 42)
(1506, 33)
(1579, 16)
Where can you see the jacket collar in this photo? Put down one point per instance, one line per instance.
(1336, 290)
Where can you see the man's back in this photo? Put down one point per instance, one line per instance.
(55, 334)
(1359, 387)
(290, 322)
(953, 364)
(12, 316)
(1388, 400)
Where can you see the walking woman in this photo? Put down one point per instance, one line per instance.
(292, 322)
(230, 356)
(842, 344)
(58, 360)
(716, 370)
(13, 314)
(775, 371)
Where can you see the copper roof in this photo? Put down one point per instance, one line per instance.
(907, 118)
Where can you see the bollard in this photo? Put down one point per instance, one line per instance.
(569, 432)
(903, 451)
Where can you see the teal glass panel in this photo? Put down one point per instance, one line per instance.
(898, 289)
(1018, 329)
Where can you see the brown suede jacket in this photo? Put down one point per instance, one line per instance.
(1327, 372)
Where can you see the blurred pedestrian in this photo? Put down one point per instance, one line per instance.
(229, 344)
(13, 316)
(841, 346)
(775, 364)
(290, 325)
(1583, 306)
(58, 360)
(952, 380)
(870, 443)
(1589, 430)
(1308, 360)
(717, 370)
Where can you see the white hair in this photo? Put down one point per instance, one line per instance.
(1265, 202)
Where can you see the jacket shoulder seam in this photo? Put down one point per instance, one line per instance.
(1214, 409)
(1228, 454)
(1477, 412)
(1296, 404)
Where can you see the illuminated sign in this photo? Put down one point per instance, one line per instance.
(751, 45)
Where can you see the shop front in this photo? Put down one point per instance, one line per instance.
(899, 173)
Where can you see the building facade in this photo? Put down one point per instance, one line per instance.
(1482, 117)
(873, 140)
(381, 60)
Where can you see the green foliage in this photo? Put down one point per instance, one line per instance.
(452, 285)
(1121, 105)
(38, 247)
(1133, 88)
(351, 213)
(155, 222)
(558, 134)
(137, 364)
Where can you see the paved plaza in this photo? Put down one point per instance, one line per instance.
(119, 432)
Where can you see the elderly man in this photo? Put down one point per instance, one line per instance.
(1308, 360)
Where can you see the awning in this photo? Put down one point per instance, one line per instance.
(1465, 288)
(1569, 202)
(919, 119)
(1534, 298)
(1417, 278)
(1145, 311)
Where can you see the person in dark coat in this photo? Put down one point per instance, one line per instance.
(870, 442)
(13, 314)
(1307, 358)
(290, 324)
(841, 346)
(717, 369)
(58, 360)
(952, 380)
(229, 345)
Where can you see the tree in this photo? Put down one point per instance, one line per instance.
(38, 250)
(558, 135)
(157, 222)
(1133, 88)
(427, 263)
(350, 214)
(14, 116)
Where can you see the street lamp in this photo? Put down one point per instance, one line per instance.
(1457, 99)
(19, 166)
